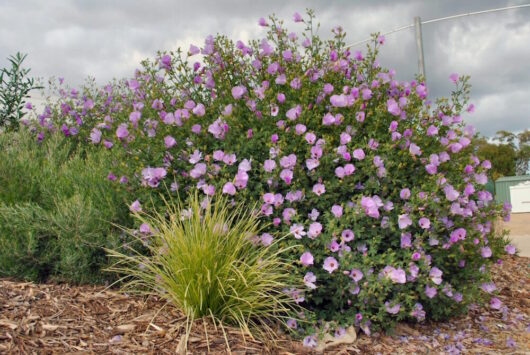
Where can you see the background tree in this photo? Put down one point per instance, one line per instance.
(502, 157)
(520, 142)
(15, 86)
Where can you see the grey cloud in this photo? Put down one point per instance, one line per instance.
(108, 38)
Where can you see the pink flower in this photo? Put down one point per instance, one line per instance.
(135, 206)
(404, 194)
(430, 291)
(169, 142)
(392, 309)
(319, 189)
(229, 189)
(312, 164)
(414, 149)
(238, 92)
(309, 280)
(485, 252)
(393, 107)
(336, 210)
(347, 235)
(454, 77)
(510, 249)
(358, 154)
(330, 264)
(315, 229)
(398, 276)
(293, 113)
(287, 176)
(95, 136)
(297, 17)
(424, 223)
(266, 239)
(199, 110)
(404, 221)
(436, 275)
(122, 131)
(262, 22)
(356, 275)
(296, 229)
(495, 303)
(269, 165)
(306, 259)
(145, 229)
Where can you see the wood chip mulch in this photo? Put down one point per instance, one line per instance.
(51, 318)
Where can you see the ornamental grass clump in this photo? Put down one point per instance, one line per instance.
(203, 258)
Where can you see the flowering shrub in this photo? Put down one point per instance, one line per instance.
(379, 185)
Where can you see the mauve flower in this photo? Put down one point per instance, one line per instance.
(300, 129)
(336, 210)
(347, 235)
(199, 110)
(193, 50)
(495, 303)
(404, 194)
(510, 249)
(294, 112)
(169, 142)
(488, 287)
(339, 100)
(436, 275)
(309, 280)
(356, 275)
(314, 231)
(310, 138)
(485, 252)
(269, 165)
(424, 223)
(122, 131)
(406, 241)
(450, 193)
(95, 136)
(319, 189)
(297, 17)
(145, 229)
(454, 77)
(229, 189)
(398, 276)
(312, 164)
(238, 92)
(358, 154)
(306, 259)
(198, 171)
(392, 309)
(330, 264)
(430, 291)
(262, 22)
(152, 176)
(393, 107)
(296, 229)
(111, 177)
(310, 341)
(414, 149)
(404, 221)
(135, 206)
(266, 239)
(421, 90)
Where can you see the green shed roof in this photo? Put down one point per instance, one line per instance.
(514, 178)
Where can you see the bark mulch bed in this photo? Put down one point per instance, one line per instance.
(49, 318)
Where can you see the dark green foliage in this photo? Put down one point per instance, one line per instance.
(56, 210)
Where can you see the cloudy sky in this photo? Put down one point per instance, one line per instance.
(108, 38)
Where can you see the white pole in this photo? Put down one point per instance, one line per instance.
(419, 46)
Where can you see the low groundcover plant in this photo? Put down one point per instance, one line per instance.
(379, 185)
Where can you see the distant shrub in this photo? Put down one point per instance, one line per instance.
(378, 184)
(203, 259)
(56, 210)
